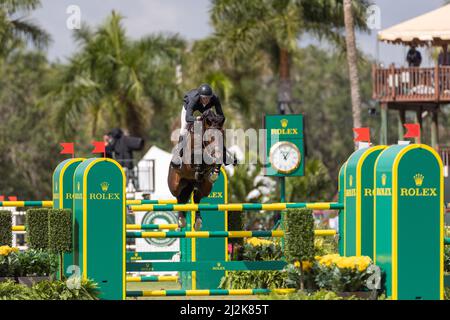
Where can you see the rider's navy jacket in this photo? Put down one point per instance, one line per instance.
(192, 103)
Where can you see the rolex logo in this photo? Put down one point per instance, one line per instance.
(104, 186)
(350, 181)
(418, 179)
(383, 179)
(284, 123)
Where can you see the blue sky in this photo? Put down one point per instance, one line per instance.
(190, 19)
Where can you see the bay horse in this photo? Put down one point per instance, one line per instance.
(194, 177)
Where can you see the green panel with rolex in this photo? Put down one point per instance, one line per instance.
(284, 145)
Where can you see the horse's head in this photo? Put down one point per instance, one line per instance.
(213, 137)
(212, 120)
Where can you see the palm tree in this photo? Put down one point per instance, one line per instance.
(352, 60)
(275, 27)
(15, 28)
(114, 80)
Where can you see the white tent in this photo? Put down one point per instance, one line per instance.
(431, 28)
(153, 168)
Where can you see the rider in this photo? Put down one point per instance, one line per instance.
(200, 99)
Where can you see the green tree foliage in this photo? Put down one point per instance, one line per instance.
(28, 144)
(15, 29)
(113, 81)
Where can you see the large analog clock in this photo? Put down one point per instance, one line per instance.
(285, 157)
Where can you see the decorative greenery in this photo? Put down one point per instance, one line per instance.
(299, 238)
(37, 228)
(256, 249)
(253, 279)
(301, 295)
(15, 263)
(49, 290)
(342, 274)
(8, 261)
(9, 290)
(447, 258)
(60, 230)
(66, 290)
(5, 228)
(36, 263)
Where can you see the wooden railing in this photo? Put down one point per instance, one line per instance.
(411, 84)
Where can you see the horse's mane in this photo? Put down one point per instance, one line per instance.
(214, 120)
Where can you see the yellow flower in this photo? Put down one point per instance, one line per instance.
(307, 265)
(6, 250)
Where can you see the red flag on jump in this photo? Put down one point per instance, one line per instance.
(2, 198)
(413, 130)
(12, 198)
(99, 147)
(362, 134)
(68, 148)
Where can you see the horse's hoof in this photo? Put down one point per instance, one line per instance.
(181, 222)
(198, 224)
(213, 177)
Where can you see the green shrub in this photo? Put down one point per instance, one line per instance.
(37, 228)
(299, 235)
(35, 263)
(256, 250)
(9, 290)
(447, 258)
(299, 239)
(5, 228)
(49, 290)
(65, 290)
(301, 295)
(253, 279)
(60, 230)
(8, 261)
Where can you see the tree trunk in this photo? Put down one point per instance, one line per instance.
(352, 60)
(285, 87)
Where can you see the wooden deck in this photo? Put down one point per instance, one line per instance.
(411, 85)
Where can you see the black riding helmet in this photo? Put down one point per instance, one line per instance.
(205, 90)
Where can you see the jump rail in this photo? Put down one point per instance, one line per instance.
(240, 206)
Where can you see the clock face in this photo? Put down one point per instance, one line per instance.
(285, 157)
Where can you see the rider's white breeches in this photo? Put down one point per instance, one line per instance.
(183, 129)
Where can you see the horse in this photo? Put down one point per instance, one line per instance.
(194, 177)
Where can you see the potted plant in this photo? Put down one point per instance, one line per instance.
(347, 276)
(35, 266)
(8, 263)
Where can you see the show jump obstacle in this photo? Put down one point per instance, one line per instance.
(391, 209)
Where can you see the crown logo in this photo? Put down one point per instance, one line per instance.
(350, 180)
(284, 123)
(105, 186)
(418, 179)
(218, 264)
(78, 186)
(383, 179)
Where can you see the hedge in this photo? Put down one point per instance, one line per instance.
(5, 228)
(299, 235)
(60, 230)
(37, 228)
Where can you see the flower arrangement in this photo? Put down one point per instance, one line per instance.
(342, 274)
(6, 250)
